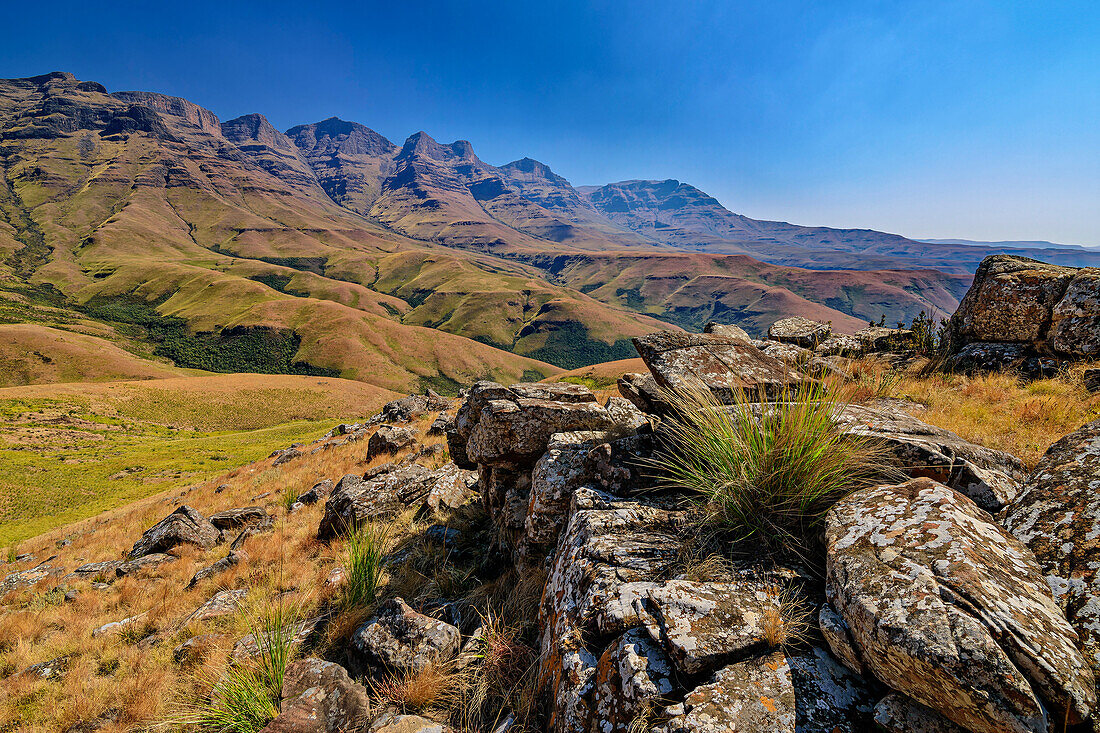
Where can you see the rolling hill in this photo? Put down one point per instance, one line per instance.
(143, 220)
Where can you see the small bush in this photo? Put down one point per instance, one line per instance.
(365, 548)
(766, 473)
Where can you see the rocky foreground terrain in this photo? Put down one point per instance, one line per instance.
(538, 573)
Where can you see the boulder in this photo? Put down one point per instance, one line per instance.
(92, 569)
(355, 500)
(217, 568)
(319, 492)
(320, 697)
(183, 526)
(1021, 358)
(392, 722)
(897, 713)
(194, 650)
(641, 390)
(753, 696)
(243, 517)
(728, 367)
(799, 331)
(633, 672)
(285, 456)
(400, 639)
(513, 425)
(878, 338)
(117, 626)
(946, 607)
(442, 423)
(728, 330)
(792, 354)
(705, 624)
(1057, 515)
(405, 409)
(989, 477)
(452, 487)
(1075, 319)
(840, 344)
(222, 603)
(389, 439)
(143, 563)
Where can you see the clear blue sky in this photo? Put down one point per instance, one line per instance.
(944, 118)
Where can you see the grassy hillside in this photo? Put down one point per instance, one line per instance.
(73, 450)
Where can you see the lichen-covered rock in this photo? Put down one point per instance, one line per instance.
(840, 344)
(726, 366)
(609, 556)
(642, 391)
(800, 331)
(452, 487)
(632, 672)
(573, 460)
(242, 517)
(990, 477)
(400, 639)
(389, 439)
(828, 697)
(217, 568)
(183, 526)
(515, 428)
(319, 492)
(989, 356)
(391, 722)
(27, 578)
(88, 570)
(706, 624)
(897, 713)
(753, 696)
(222, 603)
(143, 563)
(1075, 319)
(879, 338)
(792, 354)
(727, 330)
(1011, 300)
(355, 500)
(948, 608)
(319, 697)
(1057, 515)
(838, 636)
(405, 408)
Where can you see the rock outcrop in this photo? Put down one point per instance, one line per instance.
(1057, 515)
(1026, 314)
(183, 526)
(356, 499)
(800, 331)
(946, 607)
(320, 697)
(399, 639)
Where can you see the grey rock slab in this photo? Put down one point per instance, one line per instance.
(945, 606)
(183, 526)
(800, 331)
(400, 639)
(320, 697)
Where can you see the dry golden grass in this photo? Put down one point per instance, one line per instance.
(113, 673)
(438, 686)
(997, 410)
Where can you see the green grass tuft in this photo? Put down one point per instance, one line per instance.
(766, 474)
(364, 551)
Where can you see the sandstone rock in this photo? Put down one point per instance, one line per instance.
(705, 624)
(319, 697)
(183, 526)
(839, 638)
(442, 423)
(390, 722)
(753, 696)
(242, 517)
(792, 354)
(319, 492)
(355, 501)
(1011, 300)
(48, 670)
(389, 439)
(452, 487)
(726, 366)
(248, 533)
(728, 330)
(642, 391)
(800, 331)
(143, 563)
(878, 338)
(217, 568)
(1021, 358)
(989, 477)
(513, 425)
(1075, 319)
(401, 639)
(828, 697)
(1057, 516)
(222, 603)
(609, 556)
(840, 344)
(631, 672)
(405, 409)
(949, 609)
(897, 713)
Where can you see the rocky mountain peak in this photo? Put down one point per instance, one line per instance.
(255, 127)
(189, 112)
(334, 135)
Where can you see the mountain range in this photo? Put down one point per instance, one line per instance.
(143, 220)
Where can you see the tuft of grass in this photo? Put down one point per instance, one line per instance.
(287, 497)
(437, 686)
(246, 698)
(766, 473)
(786, 618)
(364, 550)
(12, 554)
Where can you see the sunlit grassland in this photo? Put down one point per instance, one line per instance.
(72, 451)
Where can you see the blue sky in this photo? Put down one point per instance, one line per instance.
(960, 118)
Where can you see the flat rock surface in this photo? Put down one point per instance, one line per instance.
(945, 606)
